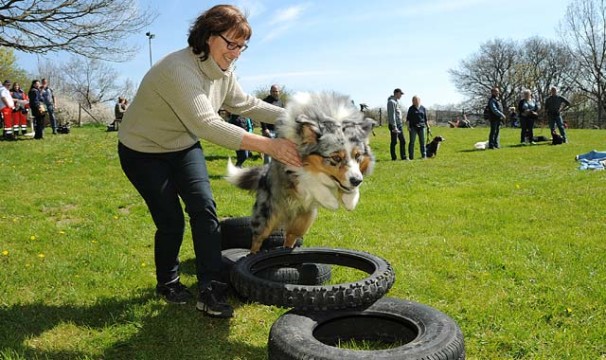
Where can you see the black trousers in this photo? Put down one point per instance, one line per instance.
(493, 135)
(38, 126)
(527, 131)
(395, 137)
(162, 179)
(241, 156)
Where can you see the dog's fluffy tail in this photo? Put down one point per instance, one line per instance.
(247, 179)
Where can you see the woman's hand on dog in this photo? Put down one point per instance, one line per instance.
(282, 150)
(285, 151)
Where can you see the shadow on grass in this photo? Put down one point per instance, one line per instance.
(210, 158)
(165, 331)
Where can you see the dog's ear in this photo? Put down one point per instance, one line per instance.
(361, 129)
(308, 129)
(367, 125)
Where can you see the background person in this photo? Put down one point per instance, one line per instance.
(394, 119)
(529, 112)
(36, 105)
(22, 106)
(162, 156)
(7, 107)
(267, 129)
(417, 124)
(119, 110)
(496, 117)
(240, 121)
(554, 105)
(513, 117)
(48, 97)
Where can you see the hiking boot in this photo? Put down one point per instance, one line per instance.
(174, 293)
(212, 300)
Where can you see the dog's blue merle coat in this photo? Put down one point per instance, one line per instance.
(330, 133)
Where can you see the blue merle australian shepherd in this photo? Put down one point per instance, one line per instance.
(332, 139)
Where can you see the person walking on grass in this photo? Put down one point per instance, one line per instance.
(161, 154)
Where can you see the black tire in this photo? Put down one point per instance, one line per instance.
(236, 234)
(302, 274)
(245, 279)
(231, 256)
(421, 332)
(298, 274)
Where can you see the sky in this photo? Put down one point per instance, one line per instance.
(361, 48)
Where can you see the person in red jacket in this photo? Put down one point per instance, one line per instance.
(22, 105)
(7, 107)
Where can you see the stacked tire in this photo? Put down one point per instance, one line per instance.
(236, 240)
(323, 316)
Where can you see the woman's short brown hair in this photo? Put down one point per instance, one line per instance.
(214, 21)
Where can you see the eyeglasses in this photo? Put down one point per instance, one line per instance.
(233, 45)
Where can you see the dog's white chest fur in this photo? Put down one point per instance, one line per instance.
(320, 189)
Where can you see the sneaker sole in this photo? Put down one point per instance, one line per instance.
(172, 302)
(202, 307)
(183, 302)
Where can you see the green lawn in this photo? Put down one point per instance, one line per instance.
(510, 243)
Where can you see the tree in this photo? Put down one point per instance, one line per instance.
(9, 69)
(92, 28)
(584, 32)
(543, 64)
(535, 64)
(494, 65)
(90, 81)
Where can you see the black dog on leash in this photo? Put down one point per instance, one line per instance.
(556, 139)
(431, 149)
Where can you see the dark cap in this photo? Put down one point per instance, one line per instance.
(6, 82)
(398, 91)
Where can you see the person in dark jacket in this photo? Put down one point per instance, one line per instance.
(496, 117)
(513, 117)
(240, 121)
(48, 97)
(554, 105)
(35, 102)
(529, 113)
(269, 130)
(417, 123)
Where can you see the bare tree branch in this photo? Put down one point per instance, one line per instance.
(584, 32)
(89, 81)
(91, 28)
(494, 65)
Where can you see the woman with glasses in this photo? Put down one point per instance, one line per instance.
(161, 154)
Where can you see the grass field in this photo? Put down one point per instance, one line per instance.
(509, 243)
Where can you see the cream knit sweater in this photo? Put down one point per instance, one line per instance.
(178, 101)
